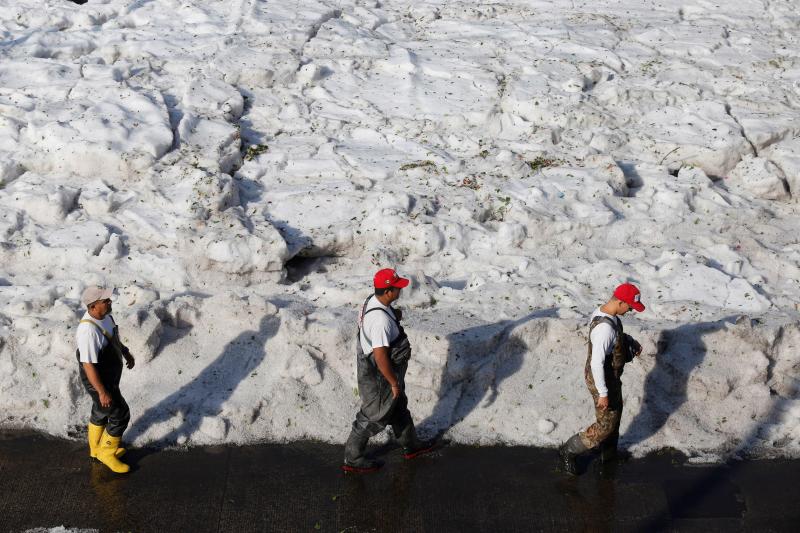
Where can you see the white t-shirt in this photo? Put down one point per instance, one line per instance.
(90, 339)
(603, 338)
(377, 326)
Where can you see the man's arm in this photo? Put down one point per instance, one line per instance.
(381, 355)
(378, 330)
(124, 351)
(127, 355)
(601, 342)
(90, 342)
(94, 379)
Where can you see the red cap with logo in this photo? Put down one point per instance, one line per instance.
(628, 293)
(388, 278)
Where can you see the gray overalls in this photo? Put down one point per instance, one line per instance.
(109, 367)
(378, 408)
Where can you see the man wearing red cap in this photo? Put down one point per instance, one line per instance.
(382, 353)
(609, 350)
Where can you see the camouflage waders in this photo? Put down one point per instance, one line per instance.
(604, 433)
(606, 427)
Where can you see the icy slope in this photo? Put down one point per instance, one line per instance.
(239, 169)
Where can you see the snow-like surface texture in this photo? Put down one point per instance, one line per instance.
(239, 169)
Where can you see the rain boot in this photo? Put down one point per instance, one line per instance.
(412, 446)
(95, 433)
(106, 454)
(609, 457)
(569, 453)
(354, 459)
(608, 449)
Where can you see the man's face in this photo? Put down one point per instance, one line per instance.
(623, 307)
(102, 307)
(394, 293)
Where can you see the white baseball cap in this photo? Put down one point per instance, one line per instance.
(93, 293)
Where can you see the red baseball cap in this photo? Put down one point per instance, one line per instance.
(389, 278)
(628, 293)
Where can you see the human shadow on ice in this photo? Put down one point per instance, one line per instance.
(205, 395)
(479, 359)
(719, 480)
(679, 352)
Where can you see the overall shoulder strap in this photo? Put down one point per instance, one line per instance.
(598, 319)
(615, 323)
(106, 334)
(390, 315)
(361, 318)
(363, 307)
(365, 313)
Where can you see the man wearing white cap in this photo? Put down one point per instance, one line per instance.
(100, 354)
(609, 350)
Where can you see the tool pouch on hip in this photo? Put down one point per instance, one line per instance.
(400, 351)
(632, 347)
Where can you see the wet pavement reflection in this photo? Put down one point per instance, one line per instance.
(47, 482)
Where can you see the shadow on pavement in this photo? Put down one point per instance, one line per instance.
(299, 487)
(715, 494)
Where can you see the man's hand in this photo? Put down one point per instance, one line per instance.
(381, 355)
(602, 403)
(130, 362)
(94, 379)
(105, 399)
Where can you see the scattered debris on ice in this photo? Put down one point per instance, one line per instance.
(239, 170)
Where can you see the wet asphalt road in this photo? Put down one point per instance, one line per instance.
(47, 482)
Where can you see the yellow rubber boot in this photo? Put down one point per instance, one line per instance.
(106, 454)
(95, 433)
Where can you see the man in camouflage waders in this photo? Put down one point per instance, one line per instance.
(382, 355)
(609, 350)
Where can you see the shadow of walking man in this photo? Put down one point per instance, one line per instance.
(721, 480)
(205, 395)
(679, 352)
(479, 359)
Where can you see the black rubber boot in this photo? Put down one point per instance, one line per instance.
(608, 449)
(609, 458)
(412, 446)
(355, 460)
(569, 452)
